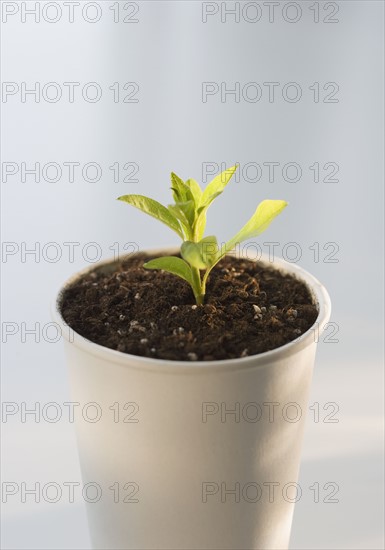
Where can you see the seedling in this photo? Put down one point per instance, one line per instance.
(187, 217)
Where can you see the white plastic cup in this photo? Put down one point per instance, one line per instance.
(192, 455)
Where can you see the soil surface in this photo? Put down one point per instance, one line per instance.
(249, 309)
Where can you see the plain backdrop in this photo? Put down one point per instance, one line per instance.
(153, 117)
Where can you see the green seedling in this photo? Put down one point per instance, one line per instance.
(187, 217)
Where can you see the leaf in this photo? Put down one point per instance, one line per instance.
(200, 254)
(173, 265)
(191, 253)
(180, 190)
(155, 209)
(200, 222)
(265, 213)
(188, 209)
(217, 185)
(180, 214)
(209, 250)
(177, 187)
(212, 191)
(185, 202)
(196, 191)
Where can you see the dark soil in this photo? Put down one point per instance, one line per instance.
(249, 309)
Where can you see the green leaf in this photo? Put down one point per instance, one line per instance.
(212, 191)
(200, 222)
(185, 205)
(265, 213)
(173, 265)
(180, 190)
(209, 250)
(189, 211)
(180, 213)
(196, 191)
(191, 253)
(217, 185)
(155, 209)
(202, 254)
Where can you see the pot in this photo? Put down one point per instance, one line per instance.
(191, 455)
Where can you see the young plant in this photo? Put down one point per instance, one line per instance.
(187, 217)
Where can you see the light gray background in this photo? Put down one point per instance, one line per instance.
(169, 53)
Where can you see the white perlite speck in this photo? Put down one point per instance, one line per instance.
(291, 315)
(135, 326)
(258, 312)
(192, 356)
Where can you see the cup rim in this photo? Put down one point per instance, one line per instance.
(318, 291)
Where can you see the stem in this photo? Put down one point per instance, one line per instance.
(198, 288)
(205, 277)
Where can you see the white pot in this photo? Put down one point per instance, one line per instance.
(177, 470)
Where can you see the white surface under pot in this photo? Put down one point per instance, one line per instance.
(192, 455)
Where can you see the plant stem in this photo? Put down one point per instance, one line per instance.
(204, 280)
(198, 287)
